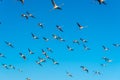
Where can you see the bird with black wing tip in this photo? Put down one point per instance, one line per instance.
(28, 78)
(22, 1)
(41, 59)
(9, 44)
(49, 49)
(59, 28)
(54, 36)
(60, 39)
(85, 47)
(101, 2)
(97, 72)
(25, 16)
(5, 66)
(70, 48)
(84, 68)
(46, 39)
(34, 36)
(22, 56)
(2, 55)
(38, 62)
(30, 51)
(69, 74)
(55, 6)
(107, 59)
(80, 27)
(41, 25)
(12, 67)
(116, 45)
(83, 40)
(105, 48)
(43, 52)
(55, 62)
(30, 15)
(76, 41)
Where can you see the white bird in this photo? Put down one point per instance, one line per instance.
(83, 40)
(55, 6)
(22, 56)
(116, 45)
(41, 25)
(5, 66)
(107, 59)
(25, 16)
(101, 2)
(55, 62)
(34, 36)
(30, 51)
(105, 48)
(69, 74)
(70, 48)
(9, 44)
(84, 68)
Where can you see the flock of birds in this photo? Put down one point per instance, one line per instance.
(40, 60)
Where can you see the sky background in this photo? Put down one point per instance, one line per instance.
(103, 28)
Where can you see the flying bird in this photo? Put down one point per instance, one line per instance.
(22, 56)
(84, 68)
(76, 41)
(12, 67)
(86, 48)
(116, 45)
(41, 59)
(50, 50)
(2, 55)
(83, 40)
(55, 6)
(80, 27)
(59, 28)
(9, 44)
(101, 2)
(22, 1)
(69, 48)
(39, 63)
(46, 39)
(54, 36)
(105, 48)
(34, 36)
(30, 51)
(41, 25)
(28, 79)
(97, 72)
(25, 16)
(107, 59)
(69, 74)
(30, 15)
(55, 62)
(5, 66)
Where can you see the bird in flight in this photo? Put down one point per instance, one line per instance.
(97, 72)
(55, 6)
(105, 48)
(39, 63)
(83, 40)
(107, 59)
(46, 39)
(76, 41)
(101, 2)
(28, 79)
(116, 45)
(41, 25)
(22, 56)
(30, 15)
(69, 74)
(80, 26)
(12, 67)
(24, 15)
(69, 48)
(55, 62)
(30, 51)
(5, 66)
(86, 48)
(59, 28)
(49, 49)
(9, 44)
(84, 68)
(22, 1)
(2, 55)
(34, 36)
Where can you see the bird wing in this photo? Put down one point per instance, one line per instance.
(53, 2)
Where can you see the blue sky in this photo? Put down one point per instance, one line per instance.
(103, 29)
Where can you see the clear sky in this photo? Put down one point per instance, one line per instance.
(103, 28)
